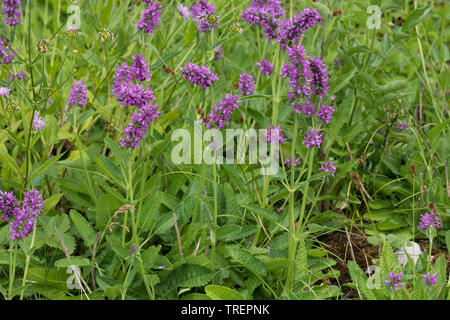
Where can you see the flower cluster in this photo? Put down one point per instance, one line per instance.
(6, 53)
(129, 92)
(290, 31)
(288, 162)
(12, 12)
(4, 91)
(21, 220)
(78, 93)
(126, 87)
(429, 220)
(8, 205)
(395, 280)
(38, 122)
(12, 76)
(246, 84)
(264, 13)
(184, 11)
(328, 167)
(325, 113)
(200, 76)
(265, 67)
(430, 279)
(204, 15)
(150, 17)
(221, 114)
(313, 138)
(135, 131)
(274, 134)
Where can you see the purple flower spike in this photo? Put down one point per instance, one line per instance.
(325, 113)
(288, 161)
(265, 67)
(313, 138)
(290, 31)
(200, 76)
(25, 218)
(328, 167)
(221, 114)
(184, 11)
(150, 18)
(430, 279)
(274, 132)
(429, 220)
(218, 53)
(319, 77)
(394, 280)
(38, 122)
(204, 15)
(246, 84)
(78, 93)
(12, 12)
(135, 131)
(7, 55)
(8, 205)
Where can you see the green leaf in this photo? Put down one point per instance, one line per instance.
(76, 261)
(246, 259)
(52, 201)
(416, 17)
(118, 152)
(216, 292)
(83, 227)
(265, 213)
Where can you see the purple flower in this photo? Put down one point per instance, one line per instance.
(290, 31)
(12, 12)
(200, 76)
(184, 11)
(394, 280)
(313, 138)
(288, 161)
(135, 131)
(328, 167)
(308, 108)
(264, 13)
(429, 220)
(77, 94)
(126, 90)
(265, 67)
(6, 53)
(12, 76)
(319, 77)
(140, 68)
(25, 218)
(4, 91)
(246, 84)
(218, 53)
(274, 133)
(325, 112)
(221, 114)
(430, 279)
(150, 17)
(8, 205)
(204, 15)
(299, 73)
(38, 122)
(402, 126)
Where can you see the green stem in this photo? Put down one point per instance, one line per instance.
(134, 226)
(27, 264)
(12, 269)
